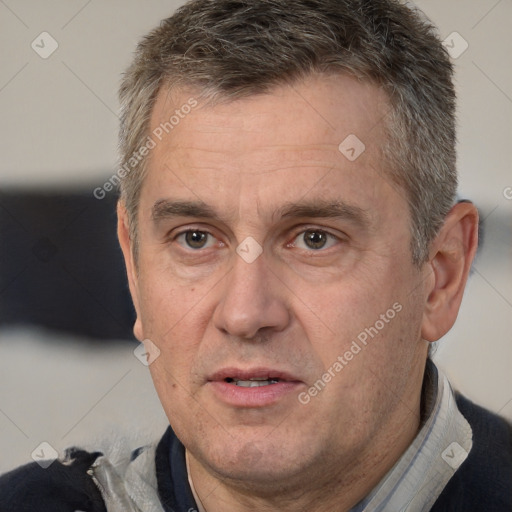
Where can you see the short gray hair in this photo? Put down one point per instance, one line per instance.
(237, 48)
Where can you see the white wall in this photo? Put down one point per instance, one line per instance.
(59, 127)
(59, 115)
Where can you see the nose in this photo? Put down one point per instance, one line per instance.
(251, 302)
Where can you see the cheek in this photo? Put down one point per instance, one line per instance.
(173, 325)
(369, 316)
(366, 361)
(164, 302)
(173, 371)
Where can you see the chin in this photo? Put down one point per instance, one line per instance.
(264, 463)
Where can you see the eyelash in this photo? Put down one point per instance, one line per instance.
(296, 235)
(185, 232)
(302, 233)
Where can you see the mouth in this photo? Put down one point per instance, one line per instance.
(256, 387)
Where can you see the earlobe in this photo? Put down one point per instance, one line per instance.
(451, 256)
(123, 233)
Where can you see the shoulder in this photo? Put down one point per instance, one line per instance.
(64, 485)
(484, 480)
(484, 421)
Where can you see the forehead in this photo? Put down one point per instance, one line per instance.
(323, 135)
(321, 109)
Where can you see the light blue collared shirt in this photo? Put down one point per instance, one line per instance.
(442, 444)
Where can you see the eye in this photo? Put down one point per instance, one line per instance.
(314, 239)
(196, 239)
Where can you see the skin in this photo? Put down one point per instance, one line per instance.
(295, 308)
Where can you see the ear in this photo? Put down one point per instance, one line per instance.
(450, 259)
(123, 233)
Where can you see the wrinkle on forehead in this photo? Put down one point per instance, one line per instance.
(327, 103)
(250, 155)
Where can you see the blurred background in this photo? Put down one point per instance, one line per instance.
(68, 373)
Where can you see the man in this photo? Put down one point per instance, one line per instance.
(293, 246)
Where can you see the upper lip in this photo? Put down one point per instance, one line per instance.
(252, 373)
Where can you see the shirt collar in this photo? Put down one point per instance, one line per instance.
(440, 447)
(200, 507)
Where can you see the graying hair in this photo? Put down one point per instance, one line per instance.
(238, 48)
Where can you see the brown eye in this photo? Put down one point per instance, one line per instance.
(195, 239)
(315, 239)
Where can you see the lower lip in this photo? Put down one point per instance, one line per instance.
(260, 396)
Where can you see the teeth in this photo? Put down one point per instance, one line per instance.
(254, 383)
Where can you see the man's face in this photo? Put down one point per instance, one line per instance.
(266, 252)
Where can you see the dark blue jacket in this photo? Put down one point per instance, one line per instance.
(483, 483)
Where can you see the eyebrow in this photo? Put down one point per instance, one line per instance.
(165, 209)
(327, 210)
